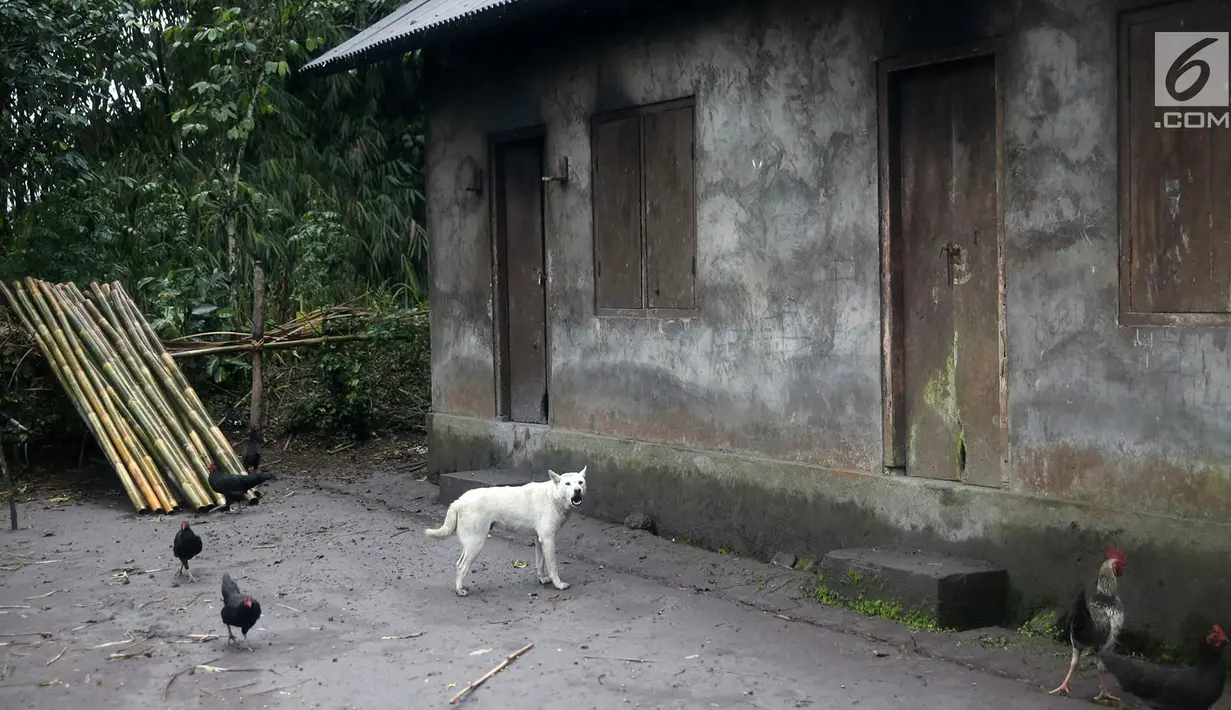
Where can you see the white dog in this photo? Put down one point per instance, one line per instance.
(541, 508)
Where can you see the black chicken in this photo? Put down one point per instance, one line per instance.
(186, 546)
(234, 487)
(252, 449)
(238, 609)
(1194, 688)
(1095, 622)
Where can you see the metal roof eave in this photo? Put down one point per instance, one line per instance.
(377, 42)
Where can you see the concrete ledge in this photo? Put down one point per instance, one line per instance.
(758, 507)
(955, 593)
(453, 485)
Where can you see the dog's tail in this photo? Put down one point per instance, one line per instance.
(446, 529)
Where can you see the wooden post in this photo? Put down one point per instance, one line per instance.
(8, 474)
(8, 481)
(258, 334)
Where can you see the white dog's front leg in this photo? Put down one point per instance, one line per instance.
(539, 568)
(549, 559)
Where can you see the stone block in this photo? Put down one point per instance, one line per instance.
(956, 593)
(453, 485)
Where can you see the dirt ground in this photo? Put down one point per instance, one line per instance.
(358, 611)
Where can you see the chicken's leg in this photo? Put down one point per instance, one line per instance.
(1064, 687)
(230, 635)
(1104, 697)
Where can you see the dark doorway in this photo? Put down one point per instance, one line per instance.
(521, 280)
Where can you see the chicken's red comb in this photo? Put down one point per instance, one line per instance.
(1218, 630)
(1114, 553)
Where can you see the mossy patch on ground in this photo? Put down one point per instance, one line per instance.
(1045, 624)
(849, 594)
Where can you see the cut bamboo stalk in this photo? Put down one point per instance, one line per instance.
(148, 468)
(200, 445)
(76, 390)
(182, 392)
(145, 461)
(145, 394)
(278, 345)
(189, 461)
(122, 392)
(110, 377)
(183, 471)
(76, 359)
(93, 392)
(183, 396)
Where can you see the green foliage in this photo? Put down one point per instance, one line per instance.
(170, 145)
(379, 385)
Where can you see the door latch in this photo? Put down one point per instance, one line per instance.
(956, 272)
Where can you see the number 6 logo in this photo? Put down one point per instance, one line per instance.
(1190, 69)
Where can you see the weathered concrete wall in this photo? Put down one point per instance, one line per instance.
(783, 358)
(757, 507)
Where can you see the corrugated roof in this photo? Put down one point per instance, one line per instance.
(402, 28)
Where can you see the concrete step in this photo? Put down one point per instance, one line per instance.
(453, 485)
(954, 593)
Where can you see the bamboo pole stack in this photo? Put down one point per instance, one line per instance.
(144, 415)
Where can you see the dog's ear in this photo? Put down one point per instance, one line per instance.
(582, 472)
(555, 477)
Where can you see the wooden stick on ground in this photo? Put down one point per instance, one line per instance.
(503, 664)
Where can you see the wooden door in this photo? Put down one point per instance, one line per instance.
(522, 280)
(948, 230)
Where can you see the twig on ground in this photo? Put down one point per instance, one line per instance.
(14, 606)
(146, 651)
(506, 621)
(215, 669)
(58, 656)
(130, 639)
(44, 634)
(189, 669)
(23, 563)
(229, 687)
(190, 603)
(503, 664)
(289, 607)
(400, 532)
(152, 601)
(295, 687)
(340, 448)
(415, 635)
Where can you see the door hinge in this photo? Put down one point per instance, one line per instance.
(694, 266)
(598, 269)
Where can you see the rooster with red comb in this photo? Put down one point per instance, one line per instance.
(1095, 621)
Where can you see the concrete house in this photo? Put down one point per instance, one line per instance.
(796, 276)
